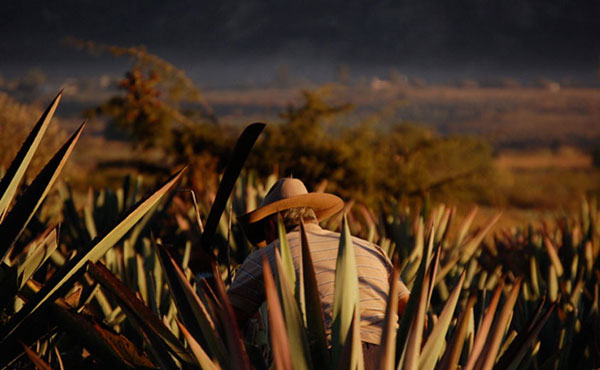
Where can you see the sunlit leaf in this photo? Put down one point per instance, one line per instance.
(484, 328)
(315, 321)
(13, 176)
(387, 356)
(21, 213)
(279, 339)
(39, 363)
(297, 340)
(346, 295)
(98, 248)
(203, 360)
(191, 309)
(490, 351)
(127, 299)
(437, 338)
(456, 343)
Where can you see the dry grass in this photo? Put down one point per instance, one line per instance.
(564, 157)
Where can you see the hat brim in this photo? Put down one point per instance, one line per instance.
(325, 205)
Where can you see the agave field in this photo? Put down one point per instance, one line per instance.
(132, 280)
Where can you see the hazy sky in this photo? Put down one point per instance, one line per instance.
(249, 39)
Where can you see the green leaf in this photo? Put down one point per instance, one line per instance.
(39, 363)
(110, 348)
(297, 340)
(413, 343)
(413, 301)
(14, 278)
(471, 246)
(279, 340)
(456, 344)
(191, 309)
(17, 219)
(346, 294)
(514, 354)
(315, 320)
(135, 308)
(286, 258)
(465, 227)
(436, 340)
(387, 355)
(554, 258)
(98, 248)
(352, 357)
(203, 360)
(36, 257)
(13, 176)
(490, 351)
(233, 337)
(484, 328)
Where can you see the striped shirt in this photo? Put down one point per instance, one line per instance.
(374, 269)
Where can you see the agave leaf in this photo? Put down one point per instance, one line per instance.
(157, 347)
(142, 284)
(415, 335)
(191, 309)
(238, 158)
(490, 351)
(410, 310)
(233, 337)
(352, 357)
(286, 256)
(98, 248)
(471, 246)
(88, 216)
(140, 226)
(484, 328)
(148, 322)
(39, 363)
(13, 176)
(346, 295)
(279, 339)
(14, 277)
(315, 321)
(553, 287)
(111, 348)
(456, 344)
(514, 354)
(415, 256)
(19, 216)
(36, 257)
(387, 356)
(203, 360)
(436, 340)
(553, 256)
(465, 227)
(297, 340)
(535, 275)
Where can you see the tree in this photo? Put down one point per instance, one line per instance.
(159, 107)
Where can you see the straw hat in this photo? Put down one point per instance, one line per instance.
(287, 193)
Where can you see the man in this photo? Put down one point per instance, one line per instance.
(290, 198)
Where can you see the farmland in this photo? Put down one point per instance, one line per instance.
(123, 250)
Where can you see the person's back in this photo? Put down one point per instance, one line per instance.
(373, 267)
(289, 199)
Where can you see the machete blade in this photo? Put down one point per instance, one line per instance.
(232, 171)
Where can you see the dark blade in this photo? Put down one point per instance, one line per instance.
(232, 171)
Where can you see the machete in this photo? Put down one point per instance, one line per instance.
(232, 171)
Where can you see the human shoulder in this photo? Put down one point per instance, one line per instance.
(374, 249)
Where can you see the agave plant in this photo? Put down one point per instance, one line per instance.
(138, 282)
(32, 311)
